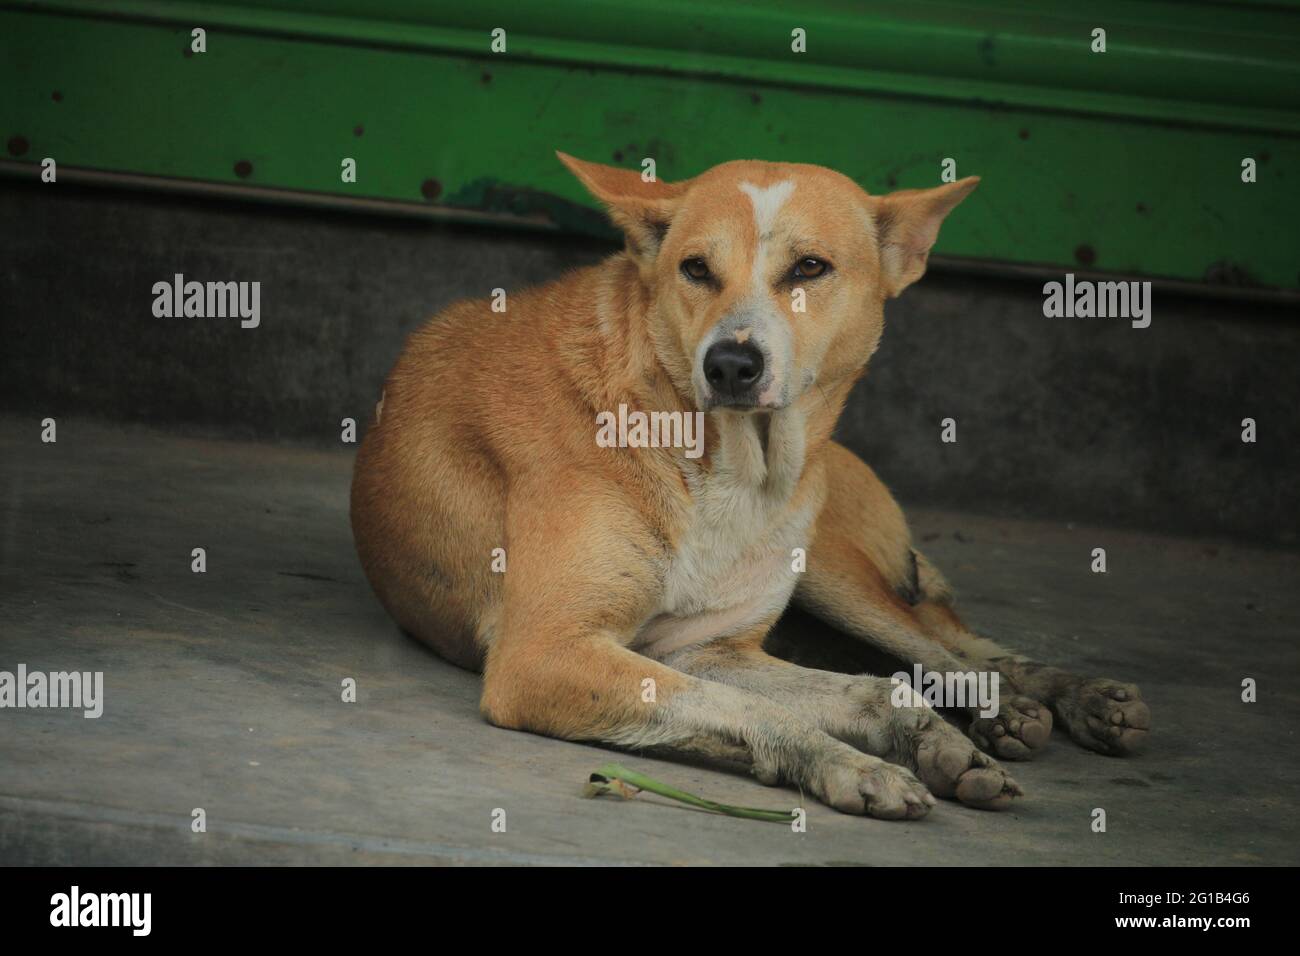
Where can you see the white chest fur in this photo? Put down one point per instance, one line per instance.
(734, 562)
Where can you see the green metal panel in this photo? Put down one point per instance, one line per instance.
(1127, 161)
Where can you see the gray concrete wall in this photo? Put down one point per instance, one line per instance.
(1067, 419)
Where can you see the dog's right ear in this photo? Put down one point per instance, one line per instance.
(643, 210)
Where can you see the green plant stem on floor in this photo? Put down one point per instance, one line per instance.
(616, 779)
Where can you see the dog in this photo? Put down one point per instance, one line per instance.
(622, 594)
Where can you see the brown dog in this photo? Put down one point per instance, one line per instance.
(622, 594)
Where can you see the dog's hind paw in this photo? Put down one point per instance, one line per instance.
(853, 782)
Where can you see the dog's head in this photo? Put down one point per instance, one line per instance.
(765, 278)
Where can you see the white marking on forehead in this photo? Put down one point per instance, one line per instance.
(767, 202)
(767, 326)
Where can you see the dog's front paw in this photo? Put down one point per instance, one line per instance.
(1105, 715)
(952, 767)
(853, 782)
(1020, 727)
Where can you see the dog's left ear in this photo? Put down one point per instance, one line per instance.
(643, 210)
(907, 224)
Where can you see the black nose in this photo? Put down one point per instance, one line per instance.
(732, 367)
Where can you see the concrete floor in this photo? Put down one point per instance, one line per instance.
(223, 690)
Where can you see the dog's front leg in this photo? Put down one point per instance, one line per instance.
(861, 578)
(558, 664)
(1099, 713)
(849, 596)
(871, 713)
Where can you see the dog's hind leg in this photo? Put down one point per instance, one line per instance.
(871, 713)
(591, 688)
(577, 585)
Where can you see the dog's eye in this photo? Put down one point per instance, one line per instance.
(695, 269)
(810, 268)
